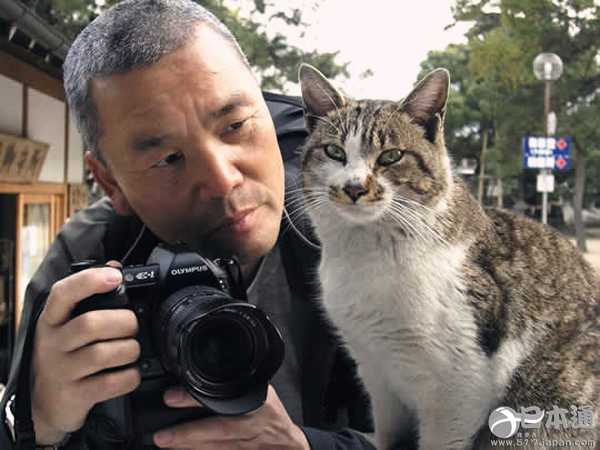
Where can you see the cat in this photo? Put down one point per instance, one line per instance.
(450, 311)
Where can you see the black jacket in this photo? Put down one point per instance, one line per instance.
(332, 396)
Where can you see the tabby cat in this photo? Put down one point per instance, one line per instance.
(451, 311)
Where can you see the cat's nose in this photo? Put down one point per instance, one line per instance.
(355, 191)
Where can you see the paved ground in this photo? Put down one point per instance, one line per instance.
(593, 248)
(593, 253)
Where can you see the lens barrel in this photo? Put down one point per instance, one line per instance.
(219, 348)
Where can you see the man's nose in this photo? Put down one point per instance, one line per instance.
(218, 171)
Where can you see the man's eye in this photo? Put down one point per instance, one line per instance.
(235, 126)
(171, 159)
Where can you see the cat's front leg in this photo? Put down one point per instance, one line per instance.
(449, 418)
(438, 429)
(394, 424)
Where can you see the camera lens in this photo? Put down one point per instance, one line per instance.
(216, 345)
(222, 348)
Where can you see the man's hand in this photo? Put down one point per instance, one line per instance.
(267, 427)
(69, 352)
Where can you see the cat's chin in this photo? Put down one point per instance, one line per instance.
(359, 214)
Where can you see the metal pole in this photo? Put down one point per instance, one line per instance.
(482, 166)
(545, 171)
(544, 201)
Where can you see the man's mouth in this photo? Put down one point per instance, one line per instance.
(236, 223)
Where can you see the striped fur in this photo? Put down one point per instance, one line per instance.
(450, 311)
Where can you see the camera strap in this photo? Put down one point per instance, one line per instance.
(127, 240)
(24, 430)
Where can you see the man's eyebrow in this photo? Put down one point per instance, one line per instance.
(148, 142)
(236, 100)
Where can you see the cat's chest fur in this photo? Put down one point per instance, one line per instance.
(402, 309)
(391, 294)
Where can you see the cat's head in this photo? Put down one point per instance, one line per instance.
(367, 160)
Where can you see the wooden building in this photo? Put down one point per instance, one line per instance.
(41, 156)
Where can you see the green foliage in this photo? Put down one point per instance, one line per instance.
(494, 87)
(273, 57)
(501, 58)
(67, 16)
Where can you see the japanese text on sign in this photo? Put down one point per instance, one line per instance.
(541, 152)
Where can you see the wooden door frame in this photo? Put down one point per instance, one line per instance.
(55, 195)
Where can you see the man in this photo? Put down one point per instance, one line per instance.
(181, 140)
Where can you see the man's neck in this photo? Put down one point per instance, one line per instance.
(250, 270)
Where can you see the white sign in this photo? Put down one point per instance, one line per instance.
(540, 162)
(545, 182)
(540, 145)
(551, 123)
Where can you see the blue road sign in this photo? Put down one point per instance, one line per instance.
(540, 152)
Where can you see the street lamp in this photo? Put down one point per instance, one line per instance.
(547, 67)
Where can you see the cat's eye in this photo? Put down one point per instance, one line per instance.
(390, 157)
(335, 152)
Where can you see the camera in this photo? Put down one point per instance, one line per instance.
(196, 329)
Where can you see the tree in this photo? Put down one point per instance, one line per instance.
(496, 81)
(472, 127)
(273, 57)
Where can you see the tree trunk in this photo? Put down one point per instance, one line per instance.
(500, 192)
(578, 202)
(484, 140)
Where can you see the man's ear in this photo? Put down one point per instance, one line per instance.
(107, 182)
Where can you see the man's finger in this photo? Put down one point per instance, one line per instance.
(103, 355)
(106, 385)
(214, 430)
(177, 397)
(66, 293)
(98, 325)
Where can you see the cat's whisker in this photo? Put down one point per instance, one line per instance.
(412, 203)
(418, 208)
(347, 125)
(335, 108)
(450, 310)
(408, 228)
(310, 203)
(388, 120)
(327, 94)
(300, 209)
(329, 122)
(297, 214)
(307, 204)
(416, 218)
(303, 189)
(423, 234)
(392, 218)
(302, 193)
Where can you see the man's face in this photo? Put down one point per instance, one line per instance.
(191, 148)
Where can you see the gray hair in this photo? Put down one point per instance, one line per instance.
(131, 34)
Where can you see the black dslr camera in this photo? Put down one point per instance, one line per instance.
(196, 329)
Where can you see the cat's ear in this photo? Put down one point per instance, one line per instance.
(318, 94)
(426, 104)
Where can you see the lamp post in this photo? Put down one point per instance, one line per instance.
(547, 67)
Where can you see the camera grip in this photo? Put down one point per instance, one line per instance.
(115, 299)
